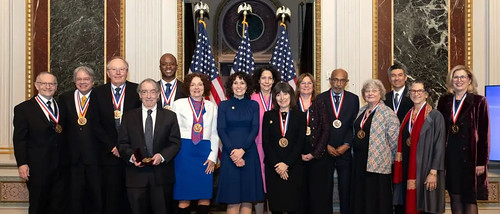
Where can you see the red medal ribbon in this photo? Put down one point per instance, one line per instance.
(196, 117)
(284, 125)
(365, 117)
(81, 111)
(304, 110)
(167, 101)
(335, 110)
(54, 118)
(122, 95)
(454, 114)
(269, 104)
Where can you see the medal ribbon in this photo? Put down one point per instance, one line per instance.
(167, 101)
(269, 104)
(399, 102)
(365, 117)
(81, 111)
(284, 125)
(195, 116)
(53, 117)
(122, 95)
(304, 110)
(410, 124)
(335, 110)
(456, 113)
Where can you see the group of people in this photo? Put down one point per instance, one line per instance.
(153, 147)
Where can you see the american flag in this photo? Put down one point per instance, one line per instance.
(203, 62)
(282, 58)
(243, 61)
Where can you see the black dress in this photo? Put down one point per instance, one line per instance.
(369, 191)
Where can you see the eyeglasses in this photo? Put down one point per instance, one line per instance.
(418, 92)
(86, 79)
(371, 91)
(335, 80)
(50, 84)
(460, 78)
(144, 92)
(118, 69)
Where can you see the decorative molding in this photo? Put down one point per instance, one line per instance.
(317, 45)
(29, 49)
(375, 39)
(180, 40)
(468, 34)
(13, 191)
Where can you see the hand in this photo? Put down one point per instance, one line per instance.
(399, 157)
(431, 181)
(284, 176)
(240, 163)
(134, 160)
(157, 159)
(210, 166)
(237, 154)
(24, 171)
(332, 151)
(115, 152)
(307, 157)
(410, 184)
(480, 170)
(280, 168)
(341, 149)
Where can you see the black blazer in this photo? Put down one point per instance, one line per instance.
(178, 92)
(348, 113)
(405, 105)
(35, 141)
(105, 127)
(82, 143)
(166, 141)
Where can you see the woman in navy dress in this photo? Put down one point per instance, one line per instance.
(240, 181)
(194, 164)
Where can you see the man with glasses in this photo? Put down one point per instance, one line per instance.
(169, 84)
(342, 108)
(39, 148)
(149, 138)
(85, 189)
(112, 100)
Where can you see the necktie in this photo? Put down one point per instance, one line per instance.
(168, 90)
(396, 100)
(148, 133)
(49, 105)
(82, 102)
(117, 94)
(337, 98)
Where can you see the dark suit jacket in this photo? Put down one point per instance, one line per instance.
(475, 110)
(82, 143)
(35, 141)
(347, 115)
(178, 93)
(166, 141)
(105, 127)
(405, 105)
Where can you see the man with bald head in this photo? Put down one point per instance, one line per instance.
(112, 100)
(342, 108)
(169, 84)
(39, 147)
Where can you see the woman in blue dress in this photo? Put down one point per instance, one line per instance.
(194, 164)
(240, 181)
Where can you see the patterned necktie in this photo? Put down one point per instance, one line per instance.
(117, 94)
(82, 102)
(337, 98)
(396, 100)
(49, 105)
(196, 137)
(148, 133)
(117, 98)
(168, 90)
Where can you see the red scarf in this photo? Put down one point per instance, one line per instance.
(411, 194)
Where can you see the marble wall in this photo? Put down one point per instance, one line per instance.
(76, 38)
(421, 40)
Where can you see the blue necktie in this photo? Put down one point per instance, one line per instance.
(168, 90)
(117, 99)
(336, 97)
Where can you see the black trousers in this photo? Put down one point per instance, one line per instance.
(343, 166)
(152, 198)
(317, 189)
(46, 191)
(113, 189)
(85, 189)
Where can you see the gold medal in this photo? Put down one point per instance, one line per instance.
(361, 134)
(168, 107)
(82, 121)
(308, 131)
(118, 114)
(337, 123)
(408, 141)
(454, 129)
(58, 128)
(147, 160)
(197, 127)
(283, 142)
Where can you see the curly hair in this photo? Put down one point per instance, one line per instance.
(241, 75)
(472, 88)
(257, 73)
(189, 78)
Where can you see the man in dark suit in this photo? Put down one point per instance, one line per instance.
(170, 86)
(342, 108)
(149, 138)
(39, 147)
(112, 100)
(85, 189)
(397, 99)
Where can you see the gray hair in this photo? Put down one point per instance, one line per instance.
(373, 83)
(150, 81)
(85, 69)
